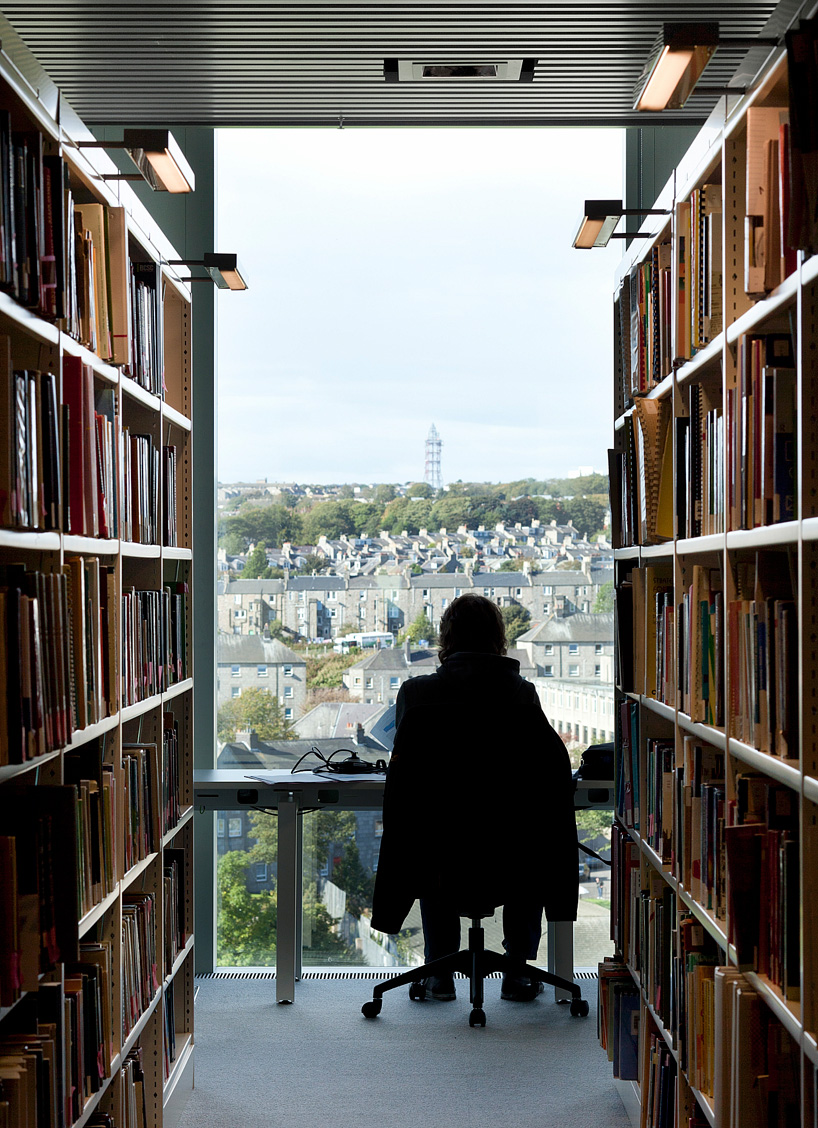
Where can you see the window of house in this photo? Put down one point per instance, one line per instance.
(240, 614)
(443, 601)
(519, 591)
(597, 648)
(302, 614)
(375, 862)
(332, 612)
(548, 671)
(548, 589)
(593, 704)
(235, 671)
(425, 593)
(302, 595)
(573, 670)
(378, 827)
(394, 683)
(573, 648)
(546, 609)
(457, 592)
(234, 827)
(356, 681)
(597, 671)
(288, 713)
(237, 599)
(369, 683)
(332, 596)
(486, 592)
(288, 691)
(549, 648)
(235, 691)
(220, 827)
(362, 595)
(585, 733)
(261, 871)
(288, 671)
(262, 671)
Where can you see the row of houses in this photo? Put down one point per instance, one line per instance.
(325, 606)
(538, 545)
(568, 658)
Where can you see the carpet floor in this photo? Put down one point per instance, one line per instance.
(320, 1062)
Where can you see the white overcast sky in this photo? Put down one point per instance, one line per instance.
(400, 278)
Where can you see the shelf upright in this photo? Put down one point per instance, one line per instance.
(106, 762)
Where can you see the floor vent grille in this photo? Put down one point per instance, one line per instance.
(385, 973)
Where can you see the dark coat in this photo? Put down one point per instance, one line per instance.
(478, 801)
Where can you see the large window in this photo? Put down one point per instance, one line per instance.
(329, 489)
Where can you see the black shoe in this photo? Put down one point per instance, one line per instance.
(520, 989)
(440, 987)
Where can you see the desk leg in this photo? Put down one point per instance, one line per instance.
(561, 954)
(287, 889)
(299, 895)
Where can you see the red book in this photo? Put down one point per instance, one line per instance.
(74, 400)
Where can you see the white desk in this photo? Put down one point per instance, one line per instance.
(290, 795)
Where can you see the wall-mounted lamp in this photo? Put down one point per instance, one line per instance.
(161, 163)
(600, 218)
(224, 270)
(677, 61)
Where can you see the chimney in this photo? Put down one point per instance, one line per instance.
(249, 738)
(359, 733)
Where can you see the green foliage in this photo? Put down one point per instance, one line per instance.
(334, 519)
(257, 710)
(586, 515)
(232, 544)
(605, 598)
(569, 566)
(384, 494)
(516, 564)
(357, 882)
(312, 563)
(246, 922)
(517, 620)
(272, 524)
(420, 489)
(415, 570)
(256, 562)
(421, 628)
(327, 670)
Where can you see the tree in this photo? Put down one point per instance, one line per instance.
(384, 494)
(516, 564)
(257, 710)
(420, 628)
(604, 599)
(420, 489)
(313, 562)
(586, 515)
(272, 524)
(233, 544)
(517, 620)
(246, 922)
(357, 882)
(326, 671)
(256, 562)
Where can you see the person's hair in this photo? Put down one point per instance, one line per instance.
(472, 622)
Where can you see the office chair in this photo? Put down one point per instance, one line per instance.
(476, 962)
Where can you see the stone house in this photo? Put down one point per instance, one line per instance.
(259, 662)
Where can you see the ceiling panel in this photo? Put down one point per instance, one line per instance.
(259, 63)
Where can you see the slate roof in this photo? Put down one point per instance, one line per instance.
(254, 587)
(255, 650)
(501, 579)
(286, 753)
(421, 661)
(581, 627)
(316, 583)
(334, 719)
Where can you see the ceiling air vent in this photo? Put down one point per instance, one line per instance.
(503, 70)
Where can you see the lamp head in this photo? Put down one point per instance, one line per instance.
(597, 224)
(675, 65)
(225, 271)
(160, 160)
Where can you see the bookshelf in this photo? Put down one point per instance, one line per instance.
(713, 481)
(96, 722)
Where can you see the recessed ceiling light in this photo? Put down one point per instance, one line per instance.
(447, 70)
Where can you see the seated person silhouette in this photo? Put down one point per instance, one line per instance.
(478, 805)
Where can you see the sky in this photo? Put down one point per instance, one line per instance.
(399, 278)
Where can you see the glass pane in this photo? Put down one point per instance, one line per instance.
(592, 931)
(246, 900)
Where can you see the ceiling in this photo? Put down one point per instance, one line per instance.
(249, 62)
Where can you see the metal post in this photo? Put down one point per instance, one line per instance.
(287, 896)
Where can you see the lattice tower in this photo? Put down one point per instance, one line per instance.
(433, 447)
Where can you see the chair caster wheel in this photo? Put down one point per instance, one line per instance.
(477, 1017)
(371, 1009)
(579, 1008)
(417, 992)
